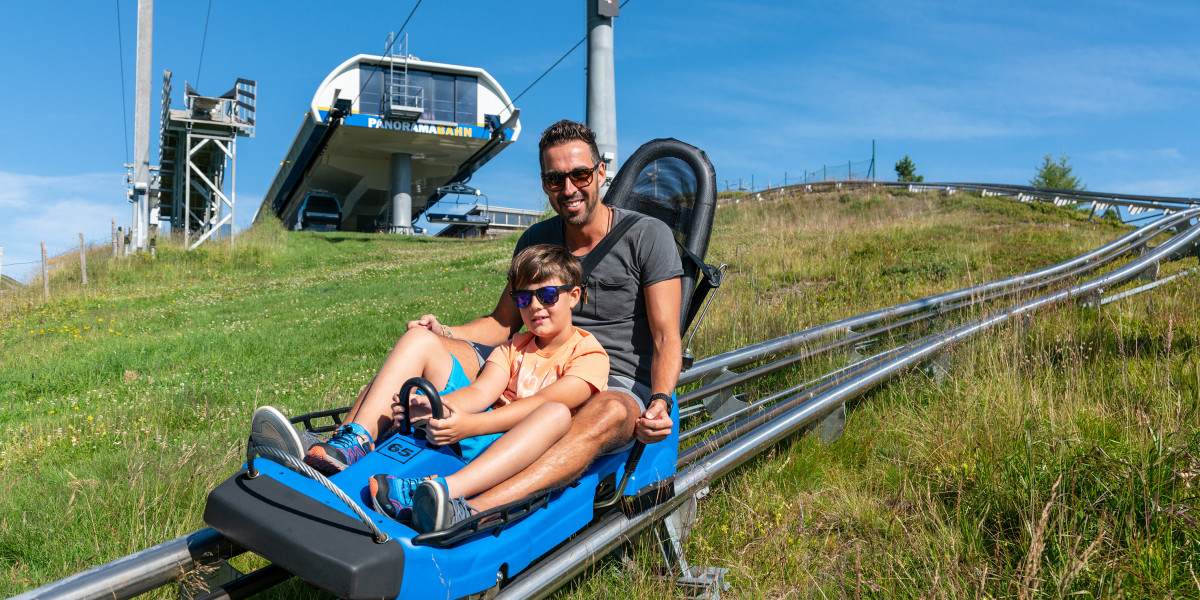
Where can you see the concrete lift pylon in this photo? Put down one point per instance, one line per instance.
(601, 83)
(139, 176)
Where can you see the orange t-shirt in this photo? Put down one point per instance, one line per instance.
(530, 370)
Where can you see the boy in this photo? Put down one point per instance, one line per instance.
(529, 387)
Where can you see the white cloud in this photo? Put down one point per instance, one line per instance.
(56, 210)
(1183, 186)
(18, 190)
(1026, 93)
(1104, 81)
(1119, 155)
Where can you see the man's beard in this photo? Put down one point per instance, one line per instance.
(580, 218)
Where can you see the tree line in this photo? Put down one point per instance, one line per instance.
(1052, 173)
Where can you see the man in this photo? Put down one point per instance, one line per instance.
(632, 307)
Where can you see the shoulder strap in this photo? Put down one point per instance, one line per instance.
(601, 250)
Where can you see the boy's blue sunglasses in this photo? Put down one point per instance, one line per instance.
(546, 295)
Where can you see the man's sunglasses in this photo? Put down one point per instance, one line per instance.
(555, 181)
(546, 295)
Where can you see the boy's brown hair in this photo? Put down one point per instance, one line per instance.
(541, 262)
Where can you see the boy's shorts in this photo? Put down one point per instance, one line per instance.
(471, 447)
(458, 378)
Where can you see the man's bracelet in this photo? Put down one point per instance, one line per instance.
(446, 333)
(661, 396)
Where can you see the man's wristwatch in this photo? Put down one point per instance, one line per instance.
(660, 396)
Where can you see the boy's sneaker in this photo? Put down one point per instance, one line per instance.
(348, 444)
(434, 509)
(270, 429)
(393, 496)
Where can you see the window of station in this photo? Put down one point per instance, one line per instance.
(442, 106)
(371, 95)
(444, 97)
(499, 218)
(466, 94)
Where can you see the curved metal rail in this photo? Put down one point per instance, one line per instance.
(1098, 200)
(142, 571)
(765, 422)
(1135, 242)
(752, 353)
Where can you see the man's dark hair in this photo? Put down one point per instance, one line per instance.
(538, 263)
(566, 131)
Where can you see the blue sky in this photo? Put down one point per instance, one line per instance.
(971, 91)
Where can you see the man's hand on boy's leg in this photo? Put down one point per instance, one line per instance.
(655, 424)
(429, 322)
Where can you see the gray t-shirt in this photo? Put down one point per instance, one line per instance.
(615, 310)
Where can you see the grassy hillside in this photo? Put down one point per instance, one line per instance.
(1052, 460)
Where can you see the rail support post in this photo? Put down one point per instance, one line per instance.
(1091, 299)
(1192, 249)
(1151, 272)
(723, 402)
(204, 579)
(939, 367)
(699, 583)
(830, 426)
(1022, 324)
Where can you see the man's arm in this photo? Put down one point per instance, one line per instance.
(662, 311)
(492, 329)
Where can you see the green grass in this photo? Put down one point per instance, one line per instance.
(1057, 459)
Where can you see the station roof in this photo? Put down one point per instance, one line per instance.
(346, 140)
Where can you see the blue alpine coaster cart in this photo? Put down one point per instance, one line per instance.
(323, 529)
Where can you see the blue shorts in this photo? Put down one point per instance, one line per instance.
(458, 378)
(471, 447)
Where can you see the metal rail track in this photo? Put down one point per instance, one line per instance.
(763, 423)
(1023, 193)
(1135, 242)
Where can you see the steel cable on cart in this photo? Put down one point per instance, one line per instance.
(295, 463)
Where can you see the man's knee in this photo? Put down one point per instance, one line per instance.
(420, 337)
(607, 417)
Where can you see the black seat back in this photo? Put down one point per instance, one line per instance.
(675, 183)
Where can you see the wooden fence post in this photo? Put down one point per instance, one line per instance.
(45, 274)
(82, 261)
(114, 238)
(1, 263)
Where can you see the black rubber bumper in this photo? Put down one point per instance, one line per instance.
(305, 537)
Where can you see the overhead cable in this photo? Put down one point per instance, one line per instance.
(203, 41)
(124, 102)
(388, 51)
(560, 59)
